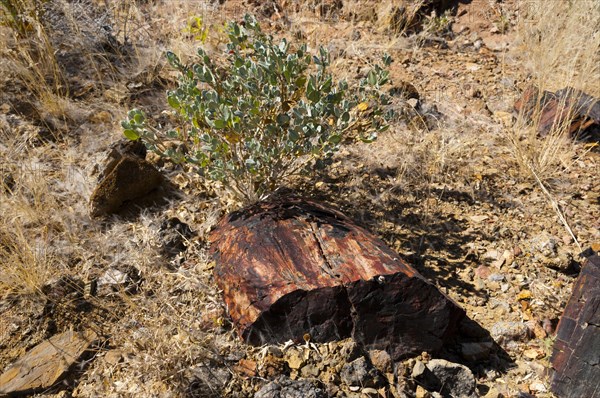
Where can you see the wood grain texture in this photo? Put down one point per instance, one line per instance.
(290, 267)
(576, 352)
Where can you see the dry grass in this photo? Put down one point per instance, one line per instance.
(64, 67)
(28, 54)
(173, 326)
(561, 46)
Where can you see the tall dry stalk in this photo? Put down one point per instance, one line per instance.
(560, 46)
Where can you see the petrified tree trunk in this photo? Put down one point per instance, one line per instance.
(291, 268)
(576, 354)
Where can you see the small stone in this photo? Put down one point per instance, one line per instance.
(524, 295)
(537, 387)
(381, 360)
(309, 371)
(483, 271)
(360, 373)
(450, 379)
(113, 357)
(295, 360)
(517, 251)
(493, 393)
(479, 218)
(349, 350)
(418, 369)
(422, 393)
(275, 351)
(211, 378)
(413, 102)
(272, 366)
(112, 276)
(505, 332)
(370, 392)
(496, 277)
(285, 387)
(114, 281)
(246, 367)
(130, 178)
(534, 353)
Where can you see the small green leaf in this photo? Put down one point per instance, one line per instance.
(335, 139)
(131, 135)
(139, 118)
(371, 78)
(173, 101)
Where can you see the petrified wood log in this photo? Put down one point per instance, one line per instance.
(576, 353)
(291, 268)
(555, 110)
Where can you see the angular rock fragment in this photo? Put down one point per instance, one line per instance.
(127, 176)
(285, 387)
(46, 363)
(450, 379)
(506, 333)
(290, 268)
(361, 372)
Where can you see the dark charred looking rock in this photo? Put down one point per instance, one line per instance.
(285, 387)
(576, 353)
(289, 268)
(126, 176)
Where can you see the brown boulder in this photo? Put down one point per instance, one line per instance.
(127, 177)
(294, 269)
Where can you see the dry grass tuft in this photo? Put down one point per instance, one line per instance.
(561, 41)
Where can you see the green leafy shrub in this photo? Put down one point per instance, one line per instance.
(268, 112)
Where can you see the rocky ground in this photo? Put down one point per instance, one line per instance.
(131, 295)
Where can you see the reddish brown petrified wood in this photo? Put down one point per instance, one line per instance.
(576, 356)
(289, 268)
(566, 108)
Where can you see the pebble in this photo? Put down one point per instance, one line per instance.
(381, 360)
(496, 277)
(505, 332)
(418, 369)
(295, 360)
(538, 387)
